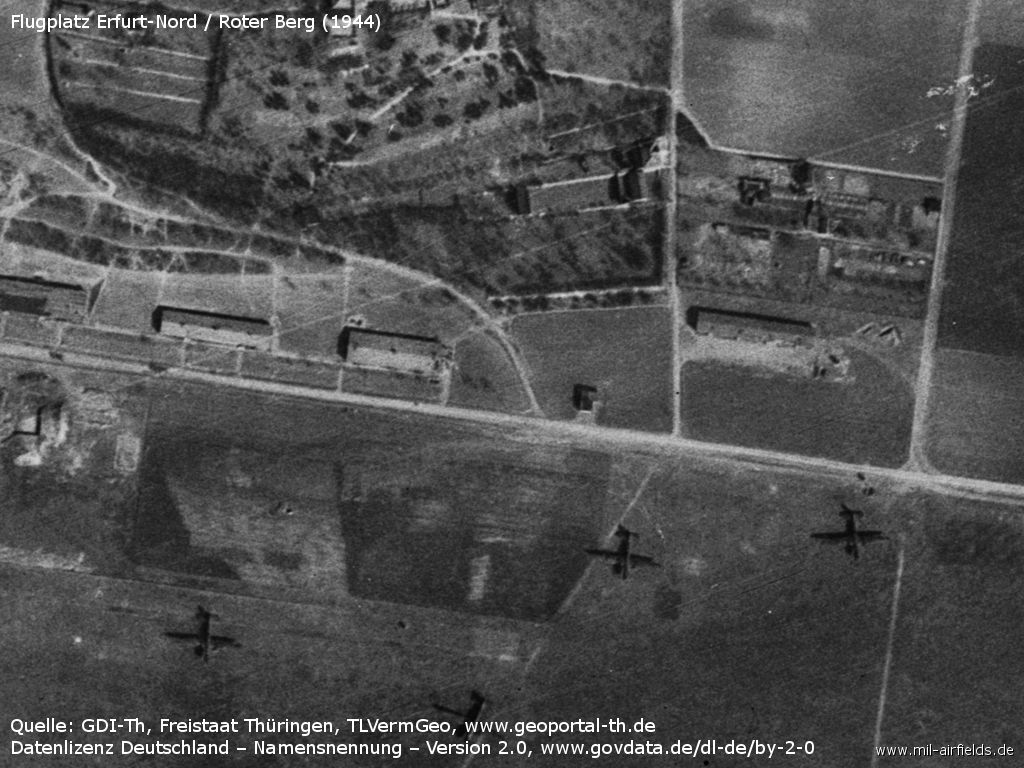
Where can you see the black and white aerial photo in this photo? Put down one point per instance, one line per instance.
(510, 383)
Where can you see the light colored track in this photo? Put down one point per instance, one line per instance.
(534, 430)
(671, 240)
(598, 80)
(929, 341)
(888, 656)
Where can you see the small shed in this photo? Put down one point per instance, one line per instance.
(583, 397)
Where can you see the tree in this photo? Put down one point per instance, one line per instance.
(491, 74)
(474, 110)
(481, 39)
(275, 100)
(525, 89)
(465, 37)
(411, 116)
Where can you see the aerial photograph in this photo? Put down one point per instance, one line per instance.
(509, 383)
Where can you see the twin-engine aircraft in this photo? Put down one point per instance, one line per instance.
(205, 640)
(852, 537)
(468, 717)
(624, 559)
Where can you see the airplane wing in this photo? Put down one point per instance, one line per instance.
(635, 560)
(183, 636)
(866, 536)
(449, 710)
(607, 553)
(831, 536)
(218, 641)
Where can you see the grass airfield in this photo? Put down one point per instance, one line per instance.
(749, 629)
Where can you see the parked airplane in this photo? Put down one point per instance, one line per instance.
(624, 559)
(851, 537)
(205, 640)
(470, 716)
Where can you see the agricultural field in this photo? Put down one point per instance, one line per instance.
(581, 116)
(108, 235)
(74, 211)
(482, 376)
(311, 312)
(1001, 24)
(296, 100)
(237, 295)
(401, 386)
(395, 495)
(132, 347)
(119, 658)
(981, 302)
(310, 373)
(29, 330)
(859, 83)
(30, 121)
(975, 424)
(62, 495)
(212, 358)
(399, 516)
(23, 58)
(160, 79)
(628, 41)
(423, 545)
(25, 261)
(473, 249)
(864, 420)
(625, 353)
(28, 172)
(466, 97)
(404, 302)
(758, 601)
(128, 299)
(219, 510)
(957, 593)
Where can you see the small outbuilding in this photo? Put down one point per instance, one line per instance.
(583, 397)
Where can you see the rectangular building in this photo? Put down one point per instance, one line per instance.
(727, 324)
(46, 298)
(575, 194)
(401, 352)
(213, 328)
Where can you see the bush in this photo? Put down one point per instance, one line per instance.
(275, 100)
(475, 109)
